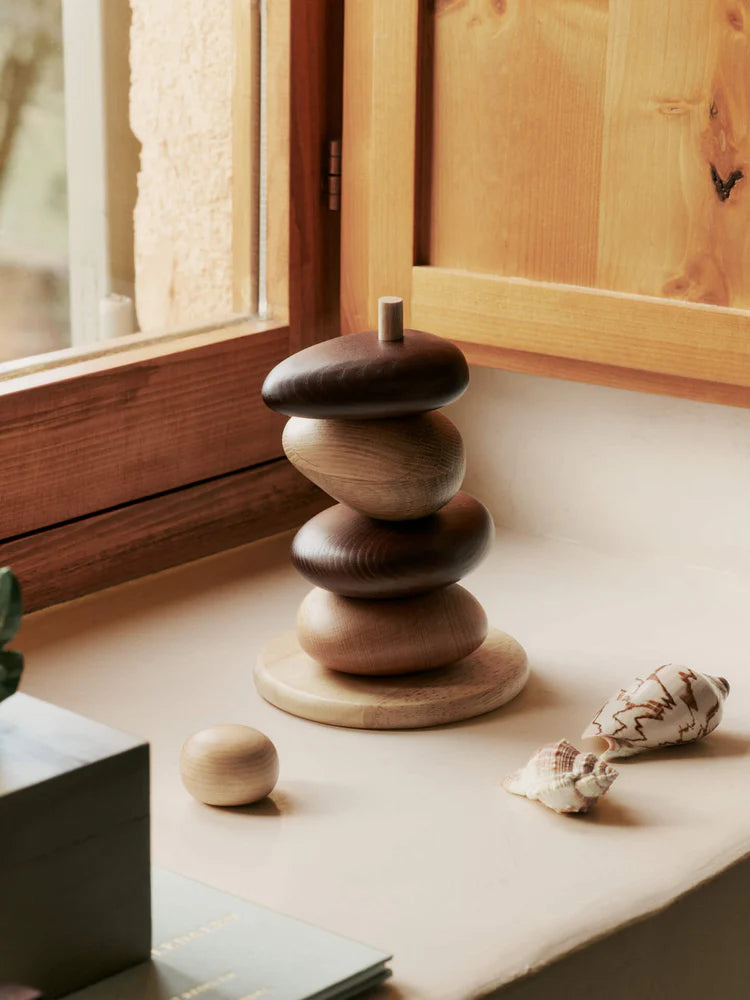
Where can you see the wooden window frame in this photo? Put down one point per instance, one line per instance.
(663, 346)
(155, 451)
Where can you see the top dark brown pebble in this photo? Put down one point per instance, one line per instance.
(357, 556)
(362, 377)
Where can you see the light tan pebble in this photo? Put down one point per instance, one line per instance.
(397, 469)
(229, 765)
(382, 637)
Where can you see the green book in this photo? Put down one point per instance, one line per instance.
(210, 945)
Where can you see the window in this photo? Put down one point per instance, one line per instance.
(149, 450)
(33, 206)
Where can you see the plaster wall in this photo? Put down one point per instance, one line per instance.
(182, 69)
(616, 470)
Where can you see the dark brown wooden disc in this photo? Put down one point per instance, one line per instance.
(363, 377)
(356, 556)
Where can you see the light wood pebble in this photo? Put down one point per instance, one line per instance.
(382, 637)
(229, 765)
(396, 469)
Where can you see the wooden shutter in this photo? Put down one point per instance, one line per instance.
(558, 187)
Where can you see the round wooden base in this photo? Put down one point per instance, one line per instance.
(488, 678)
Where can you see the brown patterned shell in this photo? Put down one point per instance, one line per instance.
(672, 705)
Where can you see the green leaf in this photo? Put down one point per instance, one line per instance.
(11, 668)
(11, 607)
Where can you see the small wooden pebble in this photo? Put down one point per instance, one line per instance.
(379, 638)
(229, 765)
(395, 470)
(357, 556)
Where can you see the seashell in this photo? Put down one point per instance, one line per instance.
(562, 778)
(672, 705)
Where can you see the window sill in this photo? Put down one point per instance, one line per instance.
(405, 839)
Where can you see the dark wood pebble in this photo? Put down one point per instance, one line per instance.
(356, 556)
(360, 376)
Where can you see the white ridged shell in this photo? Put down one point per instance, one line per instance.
(562, 778)
(672, 705)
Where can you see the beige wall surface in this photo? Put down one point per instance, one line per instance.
(622, 471)
(182, 59)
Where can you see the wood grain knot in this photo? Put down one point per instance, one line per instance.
(673, 109)
(736, 19)
(724, 187)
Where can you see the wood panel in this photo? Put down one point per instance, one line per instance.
(528, 363)
(380, 49)
(675, 340)
(592, 144)
(676, 130)
(62, 563)
(517, 95)
(114, 429)
(587, 325)
(316, 54)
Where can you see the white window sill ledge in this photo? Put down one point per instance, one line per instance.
(405, 840)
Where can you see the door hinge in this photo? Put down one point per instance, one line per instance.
(333, 175)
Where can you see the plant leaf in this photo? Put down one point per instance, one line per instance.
(11, 606)
(11, 668)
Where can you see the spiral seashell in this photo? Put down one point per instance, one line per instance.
(562, 778)
(672, 705)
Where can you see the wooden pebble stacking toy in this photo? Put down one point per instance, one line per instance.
(387, 639)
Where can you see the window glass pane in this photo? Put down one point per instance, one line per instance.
(34, 311)
(194, 109)
(129, 170)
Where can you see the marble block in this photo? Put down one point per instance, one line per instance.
(74, 848)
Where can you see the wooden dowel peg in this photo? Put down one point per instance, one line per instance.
(390, 318)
